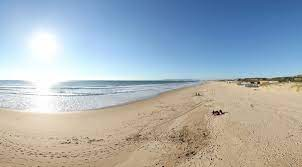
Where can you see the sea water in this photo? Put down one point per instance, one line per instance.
(80, 95)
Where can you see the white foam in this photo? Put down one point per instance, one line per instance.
(69, 97)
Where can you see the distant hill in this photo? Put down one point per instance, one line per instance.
(297, 78)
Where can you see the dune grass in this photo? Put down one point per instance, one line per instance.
(297, 86)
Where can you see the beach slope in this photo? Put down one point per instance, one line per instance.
(260, 127)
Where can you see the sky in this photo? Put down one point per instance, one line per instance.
(152, 39)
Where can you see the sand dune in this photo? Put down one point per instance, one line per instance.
(261, 127)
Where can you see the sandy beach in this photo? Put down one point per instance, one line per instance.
(260, 127)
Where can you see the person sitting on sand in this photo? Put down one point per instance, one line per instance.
(221, 112)
(217, 112)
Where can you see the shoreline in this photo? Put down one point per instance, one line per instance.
(99, 138)
(107, 107)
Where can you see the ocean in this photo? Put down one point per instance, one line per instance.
(80, 95)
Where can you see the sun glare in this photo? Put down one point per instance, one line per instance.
(44, 45)
(43, 102)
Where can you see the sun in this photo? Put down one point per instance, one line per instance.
(44, 45)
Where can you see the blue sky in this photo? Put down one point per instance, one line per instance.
(153, 39)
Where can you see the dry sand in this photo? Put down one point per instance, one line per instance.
(262, 127)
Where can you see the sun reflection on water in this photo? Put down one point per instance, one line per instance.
(43, 100)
